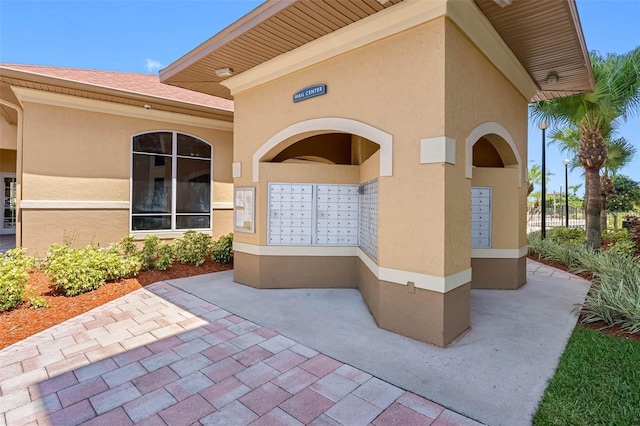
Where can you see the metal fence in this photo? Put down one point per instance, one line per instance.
(555, 218)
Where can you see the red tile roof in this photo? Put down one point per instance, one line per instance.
(135, 83)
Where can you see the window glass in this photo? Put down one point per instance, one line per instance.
(189, 146)
(155, 203)
(151, 223)
(151, 185)
(194, 184)
(155, 143)
(193, 222)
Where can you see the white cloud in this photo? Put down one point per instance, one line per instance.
(153, 65)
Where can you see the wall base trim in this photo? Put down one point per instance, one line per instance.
(499, 253)
(396, 276)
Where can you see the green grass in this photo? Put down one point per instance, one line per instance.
(597, 383)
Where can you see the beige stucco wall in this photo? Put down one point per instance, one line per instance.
(7, 161)
(476, 93)
(8, 135)
(505, 222)
(457, 90)
(80, 155)
(363, 87)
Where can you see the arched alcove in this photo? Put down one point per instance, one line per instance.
(495, 146)
(303, 132)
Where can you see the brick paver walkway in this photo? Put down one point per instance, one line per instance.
(162, 356)
(541, 269)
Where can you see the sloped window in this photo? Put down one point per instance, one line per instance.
(170, 182)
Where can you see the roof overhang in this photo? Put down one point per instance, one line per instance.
(543, 36)
(32, 80)
(546, 37)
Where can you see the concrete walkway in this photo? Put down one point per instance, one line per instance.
(167, 354)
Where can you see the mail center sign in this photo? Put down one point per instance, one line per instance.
(310, 92)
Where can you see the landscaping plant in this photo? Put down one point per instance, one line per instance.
(614, 297)
(79, 270)
(223, 249)
(156, 255)
(193, 248)
(14, 267)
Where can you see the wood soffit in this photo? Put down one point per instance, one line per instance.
(545, 36)
(273, 28)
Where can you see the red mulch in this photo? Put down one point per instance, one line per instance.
(600, 325)
(22, 322)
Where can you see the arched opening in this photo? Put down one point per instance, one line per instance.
(494, 141)
(486, 155)
(494, 166)
(356, 140)
(328, 148)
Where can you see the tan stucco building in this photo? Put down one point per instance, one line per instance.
(80, 145)
(379, 145)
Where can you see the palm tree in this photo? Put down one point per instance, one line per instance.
(619, 153)
(534, 176)
(616, 95)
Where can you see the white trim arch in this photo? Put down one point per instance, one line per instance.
(488, 128)
(329, 124)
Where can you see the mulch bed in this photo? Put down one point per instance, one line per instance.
(22, 322)
(600, 325)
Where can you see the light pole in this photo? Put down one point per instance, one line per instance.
(566, 192)
(543, 222)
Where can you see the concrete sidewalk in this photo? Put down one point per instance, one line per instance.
(205, 350)
(496, 373)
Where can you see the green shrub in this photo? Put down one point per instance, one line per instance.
(79, 270)
(155, 254)
(37, 302)
(223, 249)
(14, 265)
(620, 241)
(564, 252)
(574, 235)
(126, 247)
(193, 248)
(165, 257)
(615, 295)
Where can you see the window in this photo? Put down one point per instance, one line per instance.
(170, 182)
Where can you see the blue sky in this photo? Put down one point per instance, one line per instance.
(145, 35)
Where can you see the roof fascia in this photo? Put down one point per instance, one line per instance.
(242, 25)
(468, 17)
(583, 45)
(68, 101)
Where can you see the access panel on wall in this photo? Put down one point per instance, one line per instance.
(481, 217)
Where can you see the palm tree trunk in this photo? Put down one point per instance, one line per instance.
(594, 198)
(603, 213)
